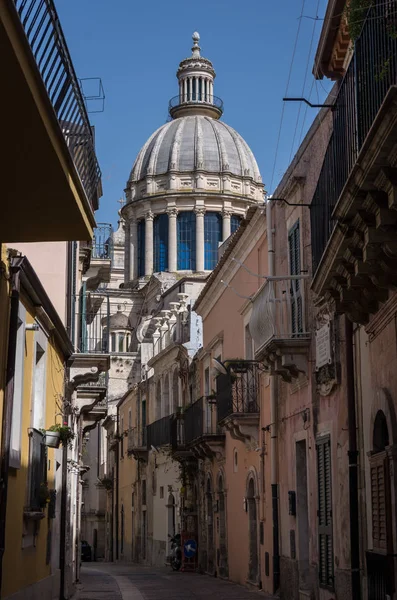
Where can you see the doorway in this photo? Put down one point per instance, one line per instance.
(302, 514)
(253, 533)
(223, 558)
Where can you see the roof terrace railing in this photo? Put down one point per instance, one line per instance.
(41, 24)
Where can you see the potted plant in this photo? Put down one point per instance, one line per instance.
(62, 433)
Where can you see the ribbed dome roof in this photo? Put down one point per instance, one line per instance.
(194, 143)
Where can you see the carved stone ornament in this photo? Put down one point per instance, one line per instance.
(326, 371)
(199, 211)
(149, 216)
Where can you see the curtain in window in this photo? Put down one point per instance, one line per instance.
(186, 241)
(160, 233)
(141, 248)
(212, 237)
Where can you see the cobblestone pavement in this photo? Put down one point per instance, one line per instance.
(109, 581)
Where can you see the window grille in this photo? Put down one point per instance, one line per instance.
(212, 237)
(186, 241)
(160, 243)
(324, 513)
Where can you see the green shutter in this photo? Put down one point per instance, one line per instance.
(324, 482)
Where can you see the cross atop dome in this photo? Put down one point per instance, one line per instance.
(196, 87)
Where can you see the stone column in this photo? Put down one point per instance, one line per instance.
(149, 243)
(184, 90)
(190, 88)
(133, 249)
(207, 90)
(200, 212)
(226, 224)
(211, 92)
(172, 240)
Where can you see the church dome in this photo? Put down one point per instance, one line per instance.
(195, 143)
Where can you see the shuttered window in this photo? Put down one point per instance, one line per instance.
(37, 469)
(295, 269)
(324, 482)
(380, 494)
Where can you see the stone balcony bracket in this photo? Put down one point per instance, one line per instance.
(97, 273)
(285, 359)
(243, 427)
(209, 446)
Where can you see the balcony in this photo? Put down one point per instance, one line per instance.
(163, 432)
(202, 433)
(353, 216)
(100, 262)
(209, 105)
(237, 400)
(137, 443)
(51, 183)
(88, 379)
(278, 326)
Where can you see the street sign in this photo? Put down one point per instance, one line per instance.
(190, 548)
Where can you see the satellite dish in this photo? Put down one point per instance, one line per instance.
(219, 367)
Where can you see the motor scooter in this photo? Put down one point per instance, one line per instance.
(176, 551)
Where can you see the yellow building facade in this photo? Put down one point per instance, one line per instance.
(31, 554)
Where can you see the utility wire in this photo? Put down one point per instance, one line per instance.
(304, 83)
(286, 94)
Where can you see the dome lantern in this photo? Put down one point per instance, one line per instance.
(196, 87)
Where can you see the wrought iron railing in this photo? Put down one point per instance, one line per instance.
(93, 318)
(372, 71)
(102, 242)
(198, 420)
(187, 99)
(163, 432)
(41, 24)
(136, 438)
(278, 311)
(379, 570)
(237, 392)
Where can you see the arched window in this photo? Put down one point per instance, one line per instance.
(381, 502)
(141, 248)
(112, 342)
(186, 241)
(212, 237)
(234, 223)
(166, 396)
(381, 433)
(175, 391)
(160, 236)
(158, 400)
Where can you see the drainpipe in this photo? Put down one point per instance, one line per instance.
(7, 409)
(353, 464)
(116, 511)
(64, 499)
(273, 426)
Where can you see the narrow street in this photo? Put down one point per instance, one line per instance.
(107, 581)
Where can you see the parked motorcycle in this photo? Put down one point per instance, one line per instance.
(176, 551)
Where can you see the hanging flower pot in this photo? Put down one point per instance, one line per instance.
(52, 439)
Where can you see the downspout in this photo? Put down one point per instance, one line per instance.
(353, 464)
(64, 496)
(273, 426)
(7, 410)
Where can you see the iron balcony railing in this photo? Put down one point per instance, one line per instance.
(237, 392)
(163, 432)
(41, 24)
(372, 71)
(198, 420)
(102, 242)
(195, 98)
(380, 580)
(136, 438)
(93, 323)
(278, 311)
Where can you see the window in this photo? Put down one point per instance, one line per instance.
(380, 486)
(129, 418)
(160, 236)
(141, 248)
(295, 269)
(121, 338)
(324, 483)
(212, 237)
(144, 492)
(37, 469)
(39, 380)
(161, 491)
(234, 223)
(112, 342)
(122, 437)
(249, 349)
(16, 425)
(186, 225)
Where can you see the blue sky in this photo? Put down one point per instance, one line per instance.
(135, 48)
